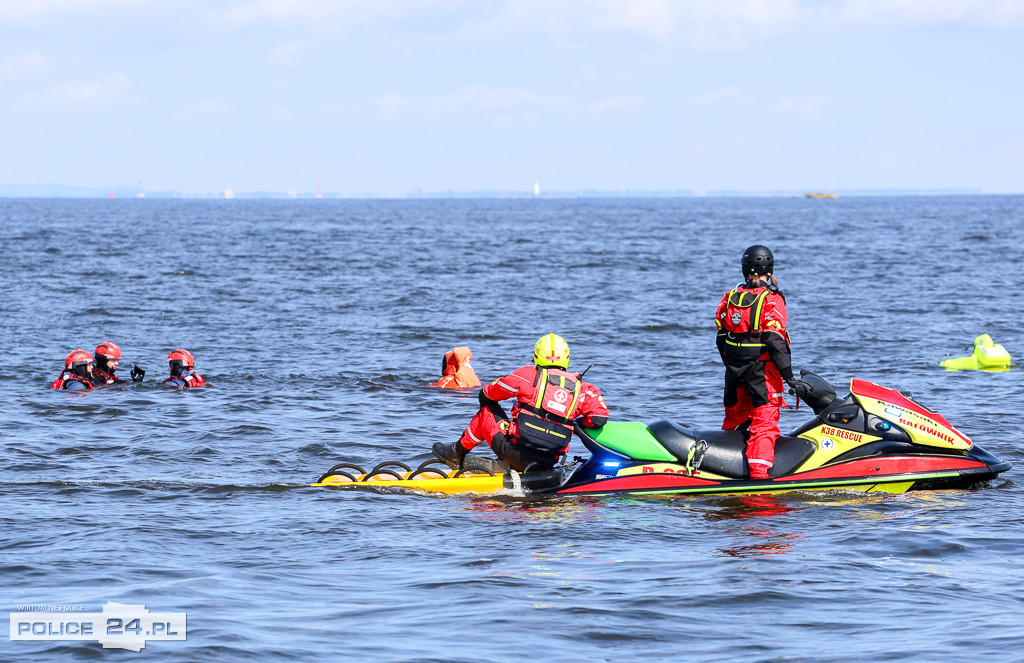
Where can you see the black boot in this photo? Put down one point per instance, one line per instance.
(452, 454)
(492, 465)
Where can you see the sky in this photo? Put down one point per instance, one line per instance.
(385, 98)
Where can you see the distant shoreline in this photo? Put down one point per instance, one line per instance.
(13, 191)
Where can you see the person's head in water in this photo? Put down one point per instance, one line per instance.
(758, 265)
(79, 363)
(180, 361)
(551, 350)
(107, 355)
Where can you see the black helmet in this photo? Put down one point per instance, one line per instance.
(759, 260)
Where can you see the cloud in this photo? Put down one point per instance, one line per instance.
(71, 96)
(706, 24)
(696, 23)
(989, 13)
(699, 23)
(320, 13)
(13, 66)
(718, 96)
(46, 10)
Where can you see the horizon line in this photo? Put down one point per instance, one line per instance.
(43, 191)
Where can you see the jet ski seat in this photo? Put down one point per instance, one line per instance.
(726, 449)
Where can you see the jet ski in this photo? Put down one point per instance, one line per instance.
(875, 439)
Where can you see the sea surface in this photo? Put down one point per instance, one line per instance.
(320, 323)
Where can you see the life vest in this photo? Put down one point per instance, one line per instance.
(743, 311)
(64, 378)
(743, 319)
(190, 379)
(544, 421)
(104, 378)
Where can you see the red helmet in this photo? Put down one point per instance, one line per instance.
(182, 358)
(77, 358)
(108, 350)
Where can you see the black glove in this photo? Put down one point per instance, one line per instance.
(799, 388)
(484, 401)
(595, 421)
(137, 373)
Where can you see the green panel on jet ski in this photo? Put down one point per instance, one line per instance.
(632, 439)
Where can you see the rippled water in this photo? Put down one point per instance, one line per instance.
(319, 324)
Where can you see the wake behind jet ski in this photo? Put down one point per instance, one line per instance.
(875, 439)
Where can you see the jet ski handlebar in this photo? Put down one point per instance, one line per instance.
(821, 395)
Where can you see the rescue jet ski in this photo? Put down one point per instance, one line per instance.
(875, 439)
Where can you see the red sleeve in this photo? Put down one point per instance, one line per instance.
(774, 315)
(512, 384)
(719, 321)
(775, 337)
(590, 405)
(720, 313)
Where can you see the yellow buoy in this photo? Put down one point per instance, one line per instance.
(987, 356)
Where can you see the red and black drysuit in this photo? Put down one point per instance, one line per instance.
(754, 345)
(548, 400)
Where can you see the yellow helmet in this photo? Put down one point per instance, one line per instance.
(551, 350)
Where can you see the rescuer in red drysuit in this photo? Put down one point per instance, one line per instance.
(107, 357)
(77, 373)
(548, 400)
(181, 362)
(456, 371)
(754, 345)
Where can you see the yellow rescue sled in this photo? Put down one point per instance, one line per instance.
(393, 474)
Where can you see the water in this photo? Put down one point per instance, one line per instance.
(319, 324)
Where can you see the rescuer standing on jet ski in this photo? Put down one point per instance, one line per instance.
(754, 345)
(548, 399)
(107, 356)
